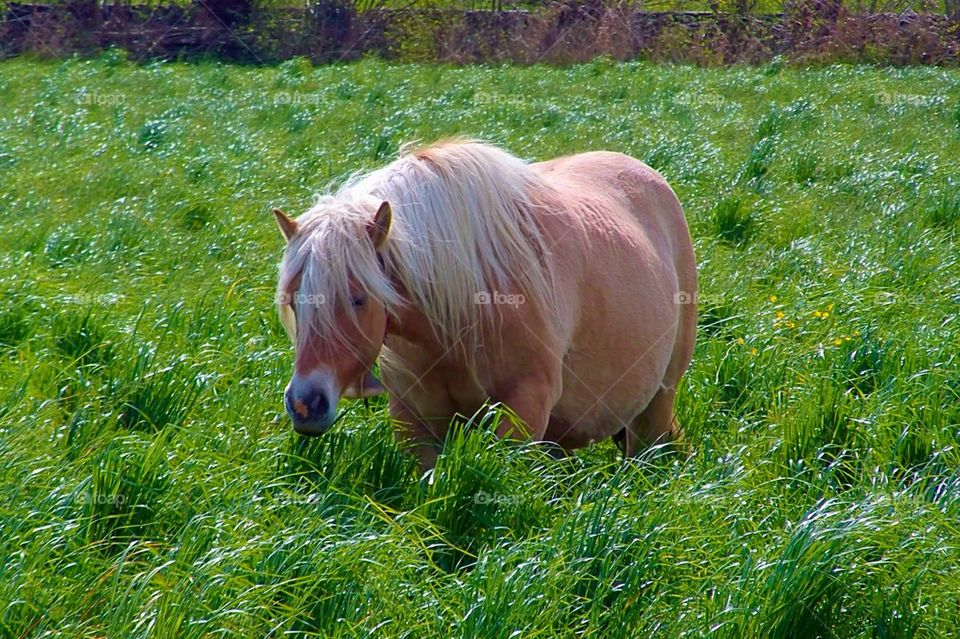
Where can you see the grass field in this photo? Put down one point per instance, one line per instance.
(152, 486)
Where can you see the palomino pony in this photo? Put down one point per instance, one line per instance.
(563, 289)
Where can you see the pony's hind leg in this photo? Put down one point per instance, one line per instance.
(655, 425)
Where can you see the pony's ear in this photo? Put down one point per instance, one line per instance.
(288, 226)
(380, 227)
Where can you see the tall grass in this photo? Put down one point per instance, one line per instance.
(151, 485)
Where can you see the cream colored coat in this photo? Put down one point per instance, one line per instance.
(625, 276)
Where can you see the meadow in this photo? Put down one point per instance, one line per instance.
(151, 485)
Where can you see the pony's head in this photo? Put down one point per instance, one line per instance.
(462, 226)
(332, 297)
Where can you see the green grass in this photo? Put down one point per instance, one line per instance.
(151, 485)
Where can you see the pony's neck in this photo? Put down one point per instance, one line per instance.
(411, 325)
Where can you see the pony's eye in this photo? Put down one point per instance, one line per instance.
(360, 300)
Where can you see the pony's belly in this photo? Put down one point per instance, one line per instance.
(577, 427)
(571, 434)
(600, 401)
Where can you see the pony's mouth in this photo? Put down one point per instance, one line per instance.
(366, 386)
(316, 433)
(314, 428)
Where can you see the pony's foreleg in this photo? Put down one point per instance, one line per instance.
(414, 432)
(530, 403)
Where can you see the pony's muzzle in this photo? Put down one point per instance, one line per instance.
(310, 403)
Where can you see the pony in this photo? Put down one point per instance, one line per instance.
(563, 290)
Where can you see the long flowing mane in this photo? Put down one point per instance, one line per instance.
(464, 231)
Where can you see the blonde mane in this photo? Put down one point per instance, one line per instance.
(464, 227)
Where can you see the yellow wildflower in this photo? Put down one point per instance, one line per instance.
(740, 340)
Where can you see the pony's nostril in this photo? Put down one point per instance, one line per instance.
(312, 407)
(297, 408)
(319, 405)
